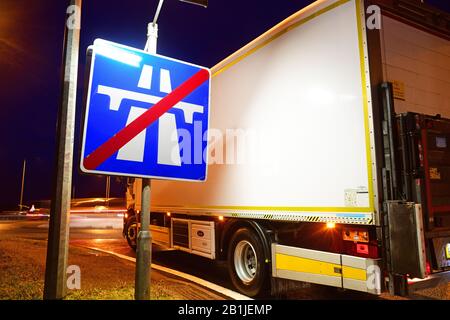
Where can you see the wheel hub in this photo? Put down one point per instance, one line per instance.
(132, 232)
(245, 261)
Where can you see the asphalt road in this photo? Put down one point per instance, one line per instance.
(212, 271)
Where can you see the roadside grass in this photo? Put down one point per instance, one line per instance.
(125, 292)
(103, 277)
(21, 276)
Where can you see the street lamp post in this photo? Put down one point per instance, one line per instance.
(23, 184)
(107, 190)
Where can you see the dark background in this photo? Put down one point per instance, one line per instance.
(31, 39)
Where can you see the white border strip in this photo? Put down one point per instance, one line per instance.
(212, 286)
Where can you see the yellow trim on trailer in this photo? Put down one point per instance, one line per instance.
(354, 273)
(359, 12)
(297, 264)
(263, 208)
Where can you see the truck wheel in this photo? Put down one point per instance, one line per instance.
(246, 262)
(131, 233)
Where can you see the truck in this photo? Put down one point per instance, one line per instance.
(328, 155)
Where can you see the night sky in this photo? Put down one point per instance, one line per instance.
(31, 39)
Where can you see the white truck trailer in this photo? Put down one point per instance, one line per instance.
(323, 167)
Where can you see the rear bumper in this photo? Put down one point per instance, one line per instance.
(326, 268)
(431, 281)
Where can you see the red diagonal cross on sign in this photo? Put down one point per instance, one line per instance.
(121, 138)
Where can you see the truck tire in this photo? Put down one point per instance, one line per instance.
(246, 263)
(131, 233)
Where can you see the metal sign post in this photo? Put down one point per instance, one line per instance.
(144, 247)
(144, 239)
(58, 234)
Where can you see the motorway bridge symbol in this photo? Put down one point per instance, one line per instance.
(142, 114)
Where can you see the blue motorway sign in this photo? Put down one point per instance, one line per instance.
(146, 115)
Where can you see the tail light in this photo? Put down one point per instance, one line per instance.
(359, 242)
(362, 248)
(355, 235)
(428, 268)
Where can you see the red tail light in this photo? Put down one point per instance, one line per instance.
(362, 248)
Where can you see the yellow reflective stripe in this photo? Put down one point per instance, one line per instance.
(354, 273)
(297, 264)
